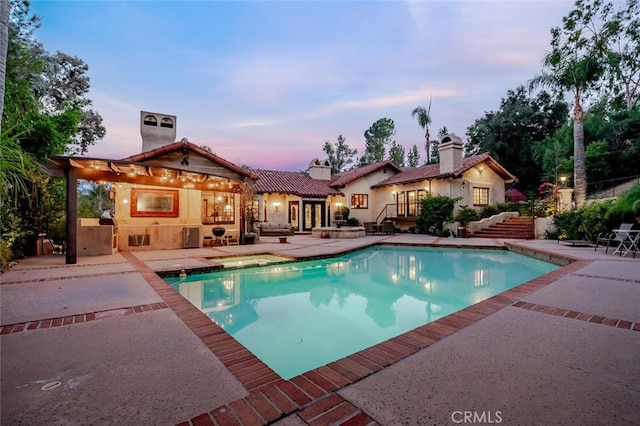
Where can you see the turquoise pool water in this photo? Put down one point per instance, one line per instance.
(299, 316)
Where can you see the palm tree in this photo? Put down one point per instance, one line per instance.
(4, 45)
(575, 64)
(19, 168)
(424, 119)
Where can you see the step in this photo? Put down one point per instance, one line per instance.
(514, 228)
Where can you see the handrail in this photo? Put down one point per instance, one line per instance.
(389, 210)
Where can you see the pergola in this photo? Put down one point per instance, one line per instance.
(158, 170)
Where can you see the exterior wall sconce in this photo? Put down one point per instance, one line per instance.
(338, 205)
(394, 193)
(276, 205)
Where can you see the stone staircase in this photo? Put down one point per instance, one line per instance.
(516, 228)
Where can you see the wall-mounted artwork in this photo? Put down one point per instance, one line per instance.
(154, 203)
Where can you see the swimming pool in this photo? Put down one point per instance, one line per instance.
(298, 316)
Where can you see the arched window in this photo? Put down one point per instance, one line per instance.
(166, 122)
(150, 120)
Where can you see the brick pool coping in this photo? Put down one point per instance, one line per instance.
(312, 395)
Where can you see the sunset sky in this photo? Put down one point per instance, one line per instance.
(266, 83)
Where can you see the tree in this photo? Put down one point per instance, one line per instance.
(18, 169)
(4, 44)
(435, 145)
(597, 161)
(511, 133)
(396, 154)
(93, 199)
(413, 157)
(339, 155)
(45, 112)
(623, 65)
(575, 64)
(45, 93)
(376, 137)
(62, 87)
(424, 119)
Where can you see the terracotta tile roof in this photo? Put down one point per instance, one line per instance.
(432, 171)
(178, 146)
(295, 183)
(339, 180)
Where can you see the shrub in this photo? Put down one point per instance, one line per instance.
(342, 212)
(435, 211)
(627, 207)
(488, 211)
(585, 223)
(567, 225)
(352, 221)
(514, 196)
(5, 255)
(465, 215)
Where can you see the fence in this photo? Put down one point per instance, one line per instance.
(611, 188)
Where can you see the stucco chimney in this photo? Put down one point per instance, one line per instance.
(157, 130)
(450, 149)
(320, 170)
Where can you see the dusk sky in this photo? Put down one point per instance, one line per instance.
(266, 83)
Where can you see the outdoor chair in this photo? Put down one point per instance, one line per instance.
(370, 228)
(603, 238)
(388, 227)
(616, 239)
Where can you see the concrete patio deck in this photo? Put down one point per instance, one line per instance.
(106, 341)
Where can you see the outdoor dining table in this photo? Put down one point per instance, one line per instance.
(629, 240)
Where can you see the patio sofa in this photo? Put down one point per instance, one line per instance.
(274, 229)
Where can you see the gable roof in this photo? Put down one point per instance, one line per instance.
(339, 180)
(184, 147)
(432, 171)
(295, 183)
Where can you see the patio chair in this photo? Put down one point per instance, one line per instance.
(602, 239)
(370, 228)
(388, 227)
(616, 239)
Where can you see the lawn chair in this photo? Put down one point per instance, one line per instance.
(613, 239)
(602, 239)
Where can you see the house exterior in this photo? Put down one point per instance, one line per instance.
(379, 191)
(173, 194)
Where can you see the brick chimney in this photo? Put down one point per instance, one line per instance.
(157, 130)
(450, 149)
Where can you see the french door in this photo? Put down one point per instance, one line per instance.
(313, 214)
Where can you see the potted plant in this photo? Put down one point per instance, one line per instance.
(465, 215)
(250, 211)
(249, 238)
